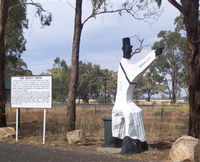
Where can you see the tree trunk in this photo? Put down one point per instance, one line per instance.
(3, 19)
(191, 20)
(174, 92)
(71, 105)
(149, 95)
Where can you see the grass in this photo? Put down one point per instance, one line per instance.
(165, 124)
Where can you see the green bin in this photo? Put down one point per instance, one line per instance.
(107, 130)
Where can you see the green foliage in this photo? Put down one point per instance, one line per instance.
(60, 72)
(172, 64)
(94, 81)
(17, 22)
(15, 41)
(88, 81)
(44, 16)
(91, 81)
(179, 23)
(96, 4)
(15, 66)
(100, 99)
(150, 84)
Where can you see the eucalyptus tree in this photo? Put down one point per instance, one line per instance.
(190, 12)
(151, 83)
(172, 65)
(137, 9)
(12, 21)
(112, 84)
(15, 41)
(15, 66)
(88, 81)
(60, 72)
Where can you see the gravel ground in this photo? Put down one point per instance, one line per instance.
(31, 153)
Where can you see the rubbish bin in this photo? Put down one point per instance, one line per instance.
(107, 130)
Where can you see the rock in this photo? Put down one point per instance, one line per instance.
(185, 148)
(76, 137)
(6, 132)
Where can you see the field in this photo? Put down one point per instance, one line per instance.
(163, 125)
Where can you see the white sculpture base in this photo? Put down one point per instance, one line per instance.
(128, 122)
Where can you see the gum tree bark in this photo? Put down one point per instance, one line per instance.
(190, 11)
(191, 20)
(71, 105)
(3, 19)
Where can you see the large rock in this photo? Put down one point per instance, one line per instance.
(76, 137)
(6, 132)
(185, 148)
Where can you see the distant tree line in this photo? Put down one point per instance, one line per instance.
(94, 82)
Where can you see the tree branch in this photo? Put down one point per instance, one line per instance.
(139, 49)
(45, 19)
(177, 5)
(38, 5)
(110, 12)
(99, 13)
(70, 5)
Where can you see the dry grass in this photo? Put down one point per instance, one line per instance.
(166, 126)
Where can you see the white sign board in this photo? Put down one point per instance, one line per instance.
(31, 92)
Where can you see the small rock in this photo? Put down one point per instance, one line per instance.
(6, 132)
(185, 148)
(76, 137)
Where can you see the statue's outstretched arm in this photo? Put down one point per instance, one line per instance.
(133, 71)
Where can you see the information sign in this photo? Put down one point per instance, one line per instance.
(31, 92)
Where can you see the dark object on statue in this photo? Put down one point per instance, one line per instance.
(127, 48)
(133, 146)
(130, 146)
(115, 142)
(159, 51)
(144, 146)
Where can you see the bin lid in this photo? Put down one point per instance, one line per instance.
(107, 118)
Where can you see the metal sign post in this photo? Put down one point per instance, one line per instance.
(44, 126)
(17, 120)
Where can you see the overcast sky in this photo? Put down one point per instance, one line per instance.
(101, 39)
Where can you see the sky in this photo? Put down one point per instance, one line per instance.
(101, 39)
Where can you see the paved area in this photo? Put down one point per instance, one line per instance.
(30, 153)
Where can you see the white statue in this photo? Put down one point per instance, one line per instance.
(127, 121)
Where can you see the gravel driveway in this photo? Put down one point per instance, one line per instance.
(31, 153)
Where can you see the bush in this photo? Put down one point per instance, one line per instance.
(101, 100)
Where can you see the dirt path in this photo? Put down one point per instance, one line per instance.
(30, 153)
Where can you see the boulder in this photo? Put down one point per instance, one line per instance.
(6, 132)
(185, 148)
(76, 137)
